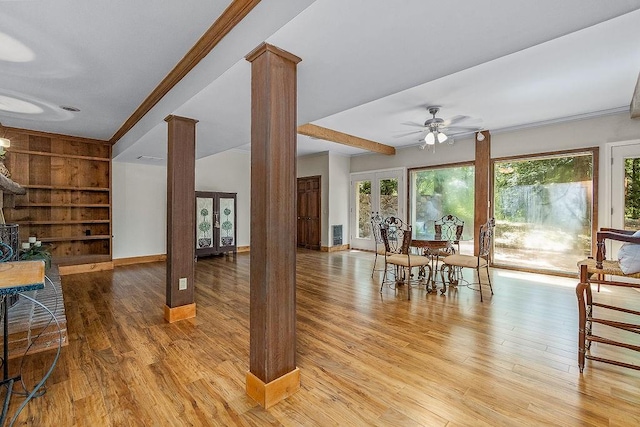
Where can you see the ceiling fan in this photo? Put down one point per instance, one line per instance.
(435, 128)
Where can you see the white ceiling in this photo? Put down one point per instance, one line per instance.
(368, 66)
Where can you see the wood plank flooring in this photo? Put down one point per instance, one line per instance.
(366, 358)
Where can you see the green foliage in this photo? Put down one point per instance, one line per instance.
(388, 187)
(227, 226)
(204, 226)
(534, 176)
(632, 189)
(36, 253)
(443, 191)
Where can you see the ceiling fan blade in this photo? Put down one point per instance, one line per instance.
(462, 128)
(402, 135)
(413, 124)
(455, 119)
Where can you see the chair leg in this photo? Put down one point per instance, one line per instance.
(581, 290)
(409, 283)
(384, 277)
(375, 261)
(479, 282)
(489, 278)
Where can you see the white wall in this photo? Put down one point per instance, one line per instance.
(585, 133)
(139, 209)
(339, 182)
(230, 172)
(139, 200)
(312, 165)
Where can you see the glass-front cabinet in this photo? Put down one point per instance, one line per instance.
(216, 231)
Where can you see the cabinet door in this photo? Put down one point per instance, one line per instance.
(227, 211)
(206, 222)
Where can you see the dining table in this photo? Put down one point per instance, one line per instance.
(434, 248)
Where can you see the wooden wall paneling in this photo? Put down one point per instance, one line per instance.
(272, 310)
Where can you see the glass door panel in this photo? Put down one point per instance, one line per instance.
(388, 196)
(364, 207)
(379, 192)
(632, 193)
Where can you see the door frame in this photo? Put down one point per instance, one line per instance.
(375, 176)
(612, 248)
(608, 169)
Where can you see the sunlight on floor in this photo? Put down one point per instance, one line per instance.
(538, 278)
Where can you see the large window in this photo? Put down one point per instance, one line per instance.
(436, 192)
(543, 209)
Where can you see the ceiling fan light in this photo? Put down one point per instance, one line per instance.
(441, 137)
(480, 136)
(430, 139)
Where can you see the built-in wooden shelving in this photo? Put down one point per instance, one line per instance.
(66, 156)
(67, 200)
(61, 205)
(62, 187)
(72, 238)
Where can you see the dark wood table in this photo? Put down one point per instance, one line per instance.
(432, 248)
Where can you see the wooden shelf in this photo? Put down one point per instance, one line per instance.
(63, 187)
(63, 205)
(73, 221)
(64, 156)
(73, 238)
(64, 260)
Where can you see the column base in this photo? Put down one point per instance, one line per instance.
(271, 393)
(181, 312)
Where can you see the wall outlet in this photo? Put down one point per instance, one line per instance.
(182, 284)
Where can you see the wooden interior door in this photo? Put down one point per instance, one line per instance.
(309, 209)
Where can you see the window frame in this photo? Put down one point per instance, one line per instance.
(594, 151)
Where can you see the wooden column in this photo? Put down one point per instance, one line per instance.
(181, 164)
(273, 374)
(482, 185)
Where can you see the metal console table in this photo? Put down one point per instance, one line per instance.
(15, 277)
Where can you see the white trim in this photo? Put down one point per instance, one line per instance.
(608, 155)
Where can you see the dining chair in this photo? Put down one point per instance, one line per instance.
(396, 236)
(612, 330)
(376, 224)
(450, 228)
(481, 260)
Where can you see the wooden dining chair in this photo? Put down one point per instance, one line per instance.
(481, 260)
(396, 236)
(617, 320)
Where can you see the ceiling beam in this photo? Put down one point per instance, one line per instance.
(635, 101)
(231, 16)
(346, 139)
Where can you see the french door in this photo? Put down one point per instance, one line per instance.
(625, 189)
(383, 192)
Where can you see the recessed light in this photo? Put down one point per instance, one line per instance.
(68, 108)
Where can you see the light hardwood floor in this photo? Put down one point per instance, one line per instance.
(366, 358)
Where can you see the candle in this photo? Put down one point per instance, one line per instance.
(25, 245)
(38, 243)
(32, 239)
